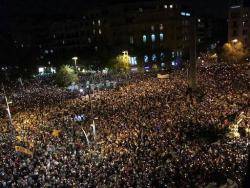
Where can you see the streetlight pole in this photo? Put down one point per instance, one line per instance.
(9, 113)
(192, 70)
(75, 60)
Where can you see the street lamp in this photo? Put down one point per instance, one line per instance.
(235, 41)
(75, 59)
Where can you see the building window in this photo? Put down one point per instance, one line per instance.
(144, 38)
(185, 14)
(162, 56)
(154, 58)
(89, 40)
(199, 20)
(93, 22)
(166, 6)
(99, 22)
(161, 27)
(161, 36)
(133, 61)
(100, 31)
(181, 53)
(153, 37)
(173, 55)
(171, 6)
(131, 40)
(152, 28)
(145, 59)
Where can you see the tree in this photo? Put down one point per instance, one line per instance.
(66, 75)
(122, 62)
(234, 51)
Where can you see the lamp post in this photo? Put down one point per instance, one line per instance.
(9, 114)
(75, 60)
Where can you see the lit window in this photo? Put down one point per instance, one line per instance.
(173, 55)
(188, 14)
(93, 22)
(133, 61)
(54, 36)
(89, 40)
(131, 40)
(152, 28)
(99, 22)
(161, 36)
(153, 37)
(161, 27)
(183, 13)
(145, 58)
(199, 20)
(165, 6)
(171, 6)
(46, 51)
(100, 31)
(181, 53)
(63, 42)
(162, 56)
(96, 48)
(154, 58)
(144, 38)
(51, 51)
(243, 23)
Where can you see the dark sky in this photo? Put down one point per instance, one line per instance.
(45, 9)
(32, 7)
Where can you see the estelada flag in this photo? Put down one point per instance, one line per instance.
(56, 133)
(23, 150)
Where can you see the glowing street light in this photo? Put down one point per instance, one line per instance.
(235, 40)
(75, 59)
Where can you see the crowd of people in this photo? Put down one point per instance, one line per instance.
(149, 132)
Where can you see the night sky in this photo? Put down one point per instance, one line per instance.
(25, 8)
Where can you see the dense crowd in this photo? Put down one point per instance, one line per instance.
(149, 133)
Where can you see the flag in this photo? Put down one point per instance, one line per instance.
(23, 150)
(56, 133)
(93, 127)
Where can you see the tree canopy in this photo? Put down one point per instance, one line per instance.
(234, 51)
(65, 76)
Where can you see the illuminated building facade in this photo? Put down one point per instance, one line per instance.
(239, 22)
(153, 32)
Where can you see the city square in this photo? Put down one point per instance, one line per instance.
(163, 115)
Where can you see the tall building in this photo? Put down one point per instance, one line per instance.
(153, 33)
(239, 22)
